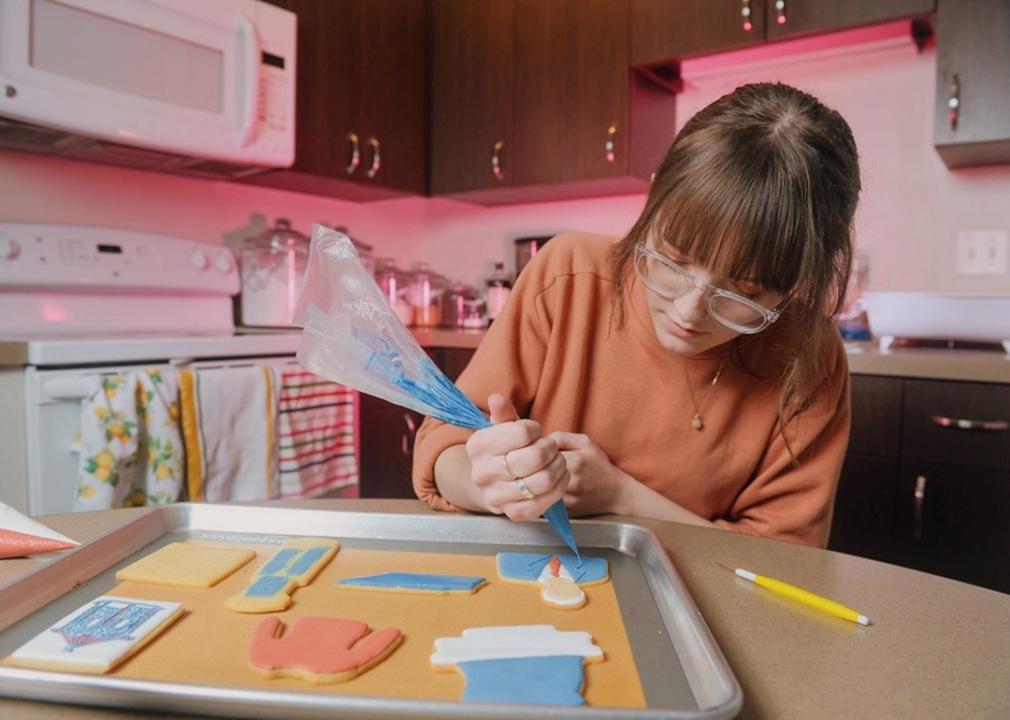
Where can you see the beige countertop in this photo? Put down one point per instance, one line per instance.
(866, 358)
(937, 648)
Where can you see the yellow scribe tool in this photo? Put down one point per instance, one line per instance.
(800, 595)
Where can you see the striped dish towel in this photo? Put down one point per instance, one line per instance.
(315, 432)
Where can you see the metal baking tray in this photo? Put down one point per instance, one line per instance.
(682, 671)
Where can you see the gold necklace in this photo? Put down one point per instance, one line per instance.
(696, 422)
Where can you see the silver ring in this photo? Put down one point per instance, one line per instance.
(524, 490)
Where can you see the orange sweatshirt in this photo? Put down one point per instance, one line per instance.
(559, 353)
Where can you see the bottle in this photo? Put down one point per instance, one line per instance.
(499, 287)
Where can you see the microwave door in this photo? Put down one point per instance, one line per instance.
(181, 77)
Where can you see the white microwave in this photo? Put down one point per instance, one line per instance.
(194, 86)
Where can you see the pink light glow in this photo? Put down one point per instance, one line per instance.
(781, 19)
(53, 313)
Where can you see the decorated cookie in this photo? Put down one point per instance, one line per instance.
(519, 663)
(321, 650)
(97, 637)
(294, 565)
(404, 582)
(186, 564)
(558, 576)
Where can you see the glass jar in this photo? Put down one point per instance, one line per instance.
(499, 287)
(271, 265)
(393, 283)
(423, 295)
(454, 299)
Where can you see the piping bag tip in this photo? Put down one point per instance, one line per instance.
(557, 516)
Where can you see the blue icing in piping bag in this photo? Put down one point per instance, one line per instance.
(353, 337)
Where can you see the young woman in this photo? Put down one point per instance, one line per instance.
(689, 371)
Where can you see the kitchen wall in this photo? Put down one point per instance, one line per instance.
(911, 209)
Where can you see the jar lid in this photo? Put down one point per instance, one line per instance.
(280, 237)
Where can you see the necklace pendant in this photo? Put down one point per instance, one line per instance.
(696, 422)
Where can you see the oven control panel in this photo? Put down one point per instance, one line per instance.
(73, 259)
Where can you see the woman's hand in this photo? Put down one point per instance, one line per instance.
(596, 485)
(518, 471)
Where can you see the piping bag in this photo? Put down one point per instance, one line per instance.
(352, 336)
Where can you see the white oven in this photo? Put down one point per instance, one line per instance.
(196, 79)
(80, 302)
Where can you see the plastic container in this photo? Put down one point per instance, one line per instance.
(939, 316)
(272, 264)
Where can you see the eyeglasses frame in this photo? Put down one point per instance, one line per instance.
(768, 316)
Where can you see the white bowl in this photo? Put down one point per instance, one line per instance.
(947, 316)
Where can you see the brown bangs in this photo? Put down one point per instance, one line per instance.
(749, 225)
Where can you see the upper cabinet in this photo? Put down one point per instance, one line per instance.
(794, 18)
(973, 82)
(361, 110)
(534, 100)
(663, 31)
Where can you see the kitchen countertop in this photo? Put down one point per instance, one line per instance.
(937, 647)
(865, 358)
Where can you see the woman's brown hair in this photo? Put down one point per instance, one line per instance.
(762, 184)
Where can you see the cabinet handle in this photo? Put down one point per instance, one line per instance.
(780, 12)
(407, 439)
(352, 138)
(745, 15)
(954, 101)
(965, 424)
(496, 168)
(608, 146)
(920, 499)
(373, 169)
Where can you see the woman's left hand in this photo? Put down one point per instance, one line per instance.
(596, 485)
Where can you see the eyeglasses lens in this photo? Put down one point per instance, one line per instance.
(673, 282)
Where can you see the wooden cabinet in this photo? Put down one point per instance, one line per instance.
(973, 70)
(361, 115)
(387, 435)
(663, 31)
(535, 101)
(795, 18)
(926, 483)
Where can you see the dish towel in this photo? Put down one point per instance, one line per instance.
(229, 429)
(316, 433)
(129, 451)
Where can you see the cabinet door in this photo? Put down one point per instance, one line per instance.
(952, 522)
(392, 105)
(865, 507)
(471, 94)
(328, 51)
(793, 18)
(571, 86)
(876, 415)
(387, 448)
(972, 57)
(665, 30)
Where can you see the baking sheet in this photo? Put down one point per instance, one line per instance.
(682, 672)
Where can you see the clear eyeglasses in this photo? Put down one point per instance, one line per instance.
(669, 280)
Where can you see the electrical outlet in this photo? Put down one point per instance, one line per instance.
(982, 252)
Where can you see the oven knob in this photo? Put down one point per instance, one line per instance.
(223, 263)
(9, 249)
(199, 260)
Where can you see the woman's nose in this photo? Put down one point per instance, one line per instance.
(692, 306)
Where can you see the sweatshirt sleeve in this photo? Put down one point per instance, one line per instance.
(508, 361)
(793, 501)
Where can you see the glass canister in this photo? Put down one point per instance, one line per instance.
(271, 265)
(394, 282)
(454, 304)
(423, 294)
